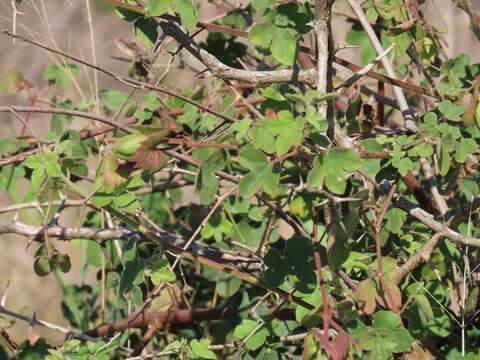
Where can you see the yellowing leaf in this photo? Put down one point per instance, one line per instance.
(110, 175)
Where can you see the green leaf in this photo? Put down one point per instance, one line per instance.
(465, 147)
(161, 272)
(252, 159)
(37, 351)
(113, 99)
(128, 145)
(37, 178)
(259, 178)
(332, 168)
(6, 146)
(217, 227)
(206, 184)
(440, 326)
(127, 202)
(146, 31)
(227, 285)
(284, 46)
(301, 206)
(60, 75)
(158, 7)
(151, 102)
(472, 300)
(385, 337)
(33, 162)
(424, 306)
(263, 4)
(299, 255)
(317, 175)
(469, 188)
(133, 267)
(386, 320)
(277, 268)
(404, 166)
(187, 12)
(198, 349)
(94, 253)
(450, 111)
(108, 168)
(245, 328)
(53, 169)
(335, 182)
(261, 34)
(395, 219)
(263, 139)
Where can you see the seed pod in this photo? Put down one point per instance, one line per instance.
(41, 266)
(126, 146)
(62, 261)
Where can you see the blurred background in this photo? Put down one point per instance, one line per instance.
(64, 24)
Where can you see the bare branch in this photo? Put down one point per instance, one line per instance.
(62, 233)
(322, 30)
(419, 258)
(428, 220)
(124, 79)
(75, 113)
(34, 321)
(402, 102)
(432, 183)
(221, 70)
(162, 186)
(159, 319)
(241, 33)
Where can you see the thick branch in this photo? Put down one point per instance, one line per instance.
(34, 321)
(432, 183)
(418, 258)
(241, 33)
(184, 316)
(65, 233)
(159, 319)
(219, 69)
(428, 220)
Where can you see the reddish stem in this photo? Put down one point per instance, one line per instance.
(318, 264)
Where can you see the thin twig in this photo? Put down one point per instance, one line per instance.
(34, 321)
(420, 257)
(318, 264)
(124, 79)
(402, 102)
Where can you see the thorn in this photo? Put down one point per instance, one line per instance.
(200, 72)
(3, 301)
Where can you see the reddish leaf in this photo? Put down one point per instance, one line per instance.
(418, 354)
(389, 295)
(336, 349)
(148, 159)
(270, 113)
(366, 293)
